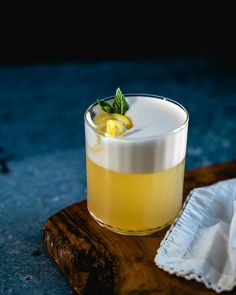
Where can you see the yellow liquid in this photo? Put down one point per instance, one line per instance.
(134, 203)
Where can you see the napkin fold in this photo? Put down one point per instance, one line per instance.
(201, 243)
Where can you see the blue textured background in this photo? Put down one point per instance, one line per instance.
(42, 143)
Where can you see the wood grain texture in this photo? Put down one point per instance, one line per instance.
(97, 261)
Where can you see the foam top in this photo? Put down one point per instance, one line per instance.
(157, 140)
(153, 117)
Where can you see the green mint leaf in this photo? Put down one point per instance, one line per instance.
(105, 106)
(120, 105)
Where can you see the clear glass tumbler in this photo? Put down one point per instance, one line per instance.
(135, 185)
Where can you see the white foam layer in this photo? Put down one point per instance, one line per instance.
(150, 146)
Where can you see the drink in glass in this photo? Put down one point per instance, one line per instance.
(135, 180)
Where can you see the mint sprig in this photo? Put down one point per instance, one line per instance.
(119, 106)
(105, 106)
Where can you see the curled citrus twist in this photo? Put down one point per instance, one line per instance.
(113, 124)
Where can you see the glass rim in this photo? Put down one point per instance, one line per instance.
(174, 131)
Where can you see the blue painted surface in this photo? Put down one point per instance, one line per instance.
(42, 144)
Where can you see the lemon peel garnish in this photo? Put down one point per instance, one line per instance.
(113, 124)
(113, 121)
(114, 128)
(102, 126)
(125, 120)
(101, 118)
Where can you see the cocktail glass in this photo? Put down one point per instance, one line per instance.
(135, 185)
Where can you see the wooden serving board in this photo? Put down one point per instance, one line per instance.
(97, 261)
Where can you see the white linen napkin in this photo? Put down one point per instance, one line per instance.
(201, 243)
